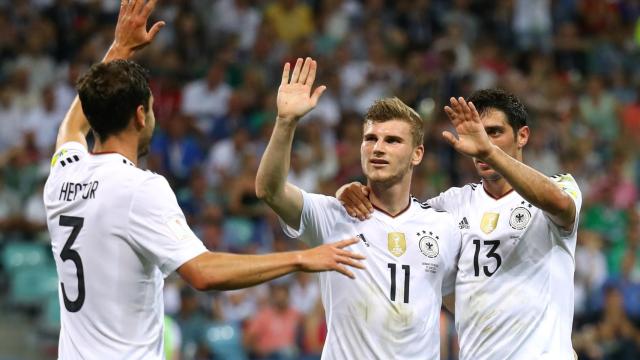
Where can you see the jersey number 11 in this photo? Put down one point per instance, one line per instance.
(407, 274)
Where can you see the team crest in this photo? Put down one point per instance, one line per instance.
(489, 222)
(429, 245)
(520, 217)
(396, 243)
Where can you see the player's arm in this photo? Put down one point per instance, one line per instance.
(131, 35)
(449, 303)
(532, 185)
(294, 100)
(224, 271)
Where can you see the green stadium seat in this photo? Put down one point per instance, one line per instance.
(19, 255)
(30, 286)
(50, 318)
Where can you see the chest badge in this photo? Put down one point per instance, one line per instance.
(429, 244)
(519, 218)
(396, 243)
(489, 222)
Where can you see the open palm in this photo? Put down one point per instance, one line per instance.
(472, 138)
(131, 29)
(294, 95)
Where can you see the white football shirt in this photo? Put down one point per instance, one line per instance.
(116, 232)
(514, 288)
(392, 309)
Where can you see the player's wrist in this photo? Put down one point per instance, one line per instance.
(287, 119)
(298, 260)
(489, 154)
(118, 52)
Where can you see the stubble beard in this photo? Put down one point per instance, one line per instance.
(391, 179)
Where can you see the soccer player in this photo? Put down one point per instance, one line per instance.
(117, 231)
(392, 310)
(514, 288)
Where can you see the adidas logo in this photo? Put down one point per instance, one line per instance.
(464, 224)
(364, 240)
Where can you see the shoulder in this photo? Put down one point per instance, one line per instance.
(463, 191)
(68, 153)
(151, 182)
(424, 209)
(568, 184)
(563, 178)
(455, 196)
(324, 202)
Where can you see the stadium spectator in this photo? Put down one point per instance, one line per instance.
(271, 334)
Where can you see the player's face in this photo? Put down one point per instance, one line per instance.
(147, 131)
(387, 153)
(502, 135)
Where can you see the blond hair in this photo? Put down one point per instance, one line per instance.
(394, 109)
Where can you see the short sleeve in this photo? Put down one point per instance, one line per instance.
(158, 228)
(568, 184)
(67, 153)
(450, 200)
(319, 217)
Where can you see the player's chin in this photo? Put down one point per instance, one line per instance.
(379, 176)
(489, 174)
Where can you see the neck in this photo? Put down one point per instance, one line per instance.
(496, 188)
(390, 198)
(123, 144)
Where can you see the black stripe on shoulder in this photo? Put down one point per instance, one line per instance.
(423, 205)
(557, 176)
(63, 163)
(473, 186)
(76, 158)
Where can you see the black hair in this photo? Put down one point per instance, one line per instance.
(498, 99)
(110, 93)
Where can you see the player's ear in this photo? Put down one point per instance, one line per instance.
(140, 118)
(523, 136)
(418, 153)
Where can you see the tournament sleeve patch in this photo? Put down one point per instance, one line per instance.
(568, 184)
(55, 158)
(180, 229)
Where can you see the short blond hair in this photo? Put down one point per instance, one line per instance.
(394, 109)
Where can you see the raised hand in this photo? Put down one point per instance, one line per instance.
(131, 29)
(472, 138)
(294, 95)
(332, 257)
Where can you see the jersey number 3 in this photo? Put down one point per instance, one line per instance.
(490, 254)
(68, 254)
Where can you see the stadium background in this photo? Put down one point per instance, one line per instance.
(215, 70)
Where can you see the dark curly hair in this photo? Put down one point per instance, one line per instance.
(110, 93)
(499, 99)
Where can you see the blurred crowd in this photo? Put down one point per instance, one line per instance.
(215, 70)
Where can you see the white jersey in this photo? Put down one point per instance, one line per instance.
(116, 232)
(392, 309)
(514, 289)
